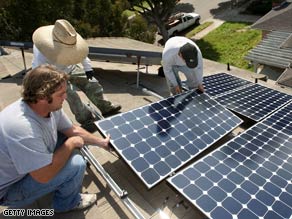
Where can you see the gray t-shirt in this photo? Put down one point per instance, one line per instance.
(27, 141)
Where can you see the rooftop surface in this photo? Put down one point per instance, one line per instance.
(119, 82)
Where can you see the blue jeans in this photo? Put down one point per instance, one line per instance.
(193, 80)
(65, 186)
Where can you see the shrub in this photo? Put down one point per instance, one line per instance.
(138, 29)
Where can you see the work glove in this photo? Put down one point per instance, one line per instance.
(89, 74)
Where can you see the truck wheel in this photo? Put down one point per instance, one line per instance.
(161, 72)
(197, 22)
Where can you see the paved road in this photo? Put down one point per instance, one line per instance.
(206, 9)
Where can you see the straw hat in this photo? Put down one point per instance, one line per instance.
(60, 43)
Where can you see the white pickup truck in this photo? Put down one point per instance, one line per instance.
(181, 22)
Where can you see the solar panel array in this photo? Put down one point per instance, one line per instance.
(246, 98)
(248, 177)
(157, 139)
(255, 101)
(222, 83)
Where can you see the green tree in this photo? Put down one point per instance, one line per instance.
(21, 18)
(7, 29)
(91, 18)
(98, 18)
(155, 12)
(138, 29)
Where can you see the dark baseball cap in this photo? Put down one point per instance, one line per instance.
(190, 55)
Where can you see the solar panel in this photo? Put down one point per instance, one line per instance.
(281, 120)
(254, 101)
(221, 83)
(249, 177)
(157, 139)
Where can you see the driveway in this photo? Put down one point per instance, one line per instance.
(206, 10)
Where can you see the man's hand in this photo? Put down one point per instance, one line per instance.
(201, 88)
(89, 74)
(105, 143)
(177, 89)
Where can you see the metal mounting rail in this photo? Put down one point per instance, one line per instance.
(22, 46)
(123, 194)
(128, 53)
(152, 93)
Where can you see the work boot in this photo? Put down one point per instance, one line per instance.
(114, 109)
(89, 126)
(86, 201)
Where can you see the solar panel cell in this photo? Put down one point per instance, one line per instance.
(162, 168)
(232, 205)
(217, 194)
(220, 212)
(265, 198)
(273, 215)
(192, 191)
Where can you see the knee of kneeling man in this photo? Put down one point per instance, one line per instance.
(77, 161)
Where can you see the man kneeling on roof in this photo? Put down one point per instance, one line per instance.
(38, 146)
(182, 54)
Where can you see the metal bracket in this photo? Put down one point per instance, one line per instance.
(123, 194)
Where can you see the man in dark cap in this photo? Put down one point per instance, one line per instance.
(182, 54)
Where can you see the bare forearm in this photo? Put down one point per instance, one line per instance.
(88, 137)
(60, 157)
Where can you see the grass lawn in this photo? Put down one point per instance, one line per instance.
(129, 13)
(229, 43)
(198, 29)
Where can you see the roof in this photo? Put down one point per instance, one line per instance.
(279, 18)
(123, 43)
(270, 51)
(286, 78)
(117, 87)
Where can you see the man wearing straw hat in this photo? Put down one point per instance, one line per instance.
(61, 46)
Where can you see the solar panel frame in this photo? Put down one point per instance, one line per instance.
(248, 177)
(136, 139)
(254, 101)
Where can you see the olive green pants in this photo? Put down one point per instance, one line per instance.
(93, 91)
